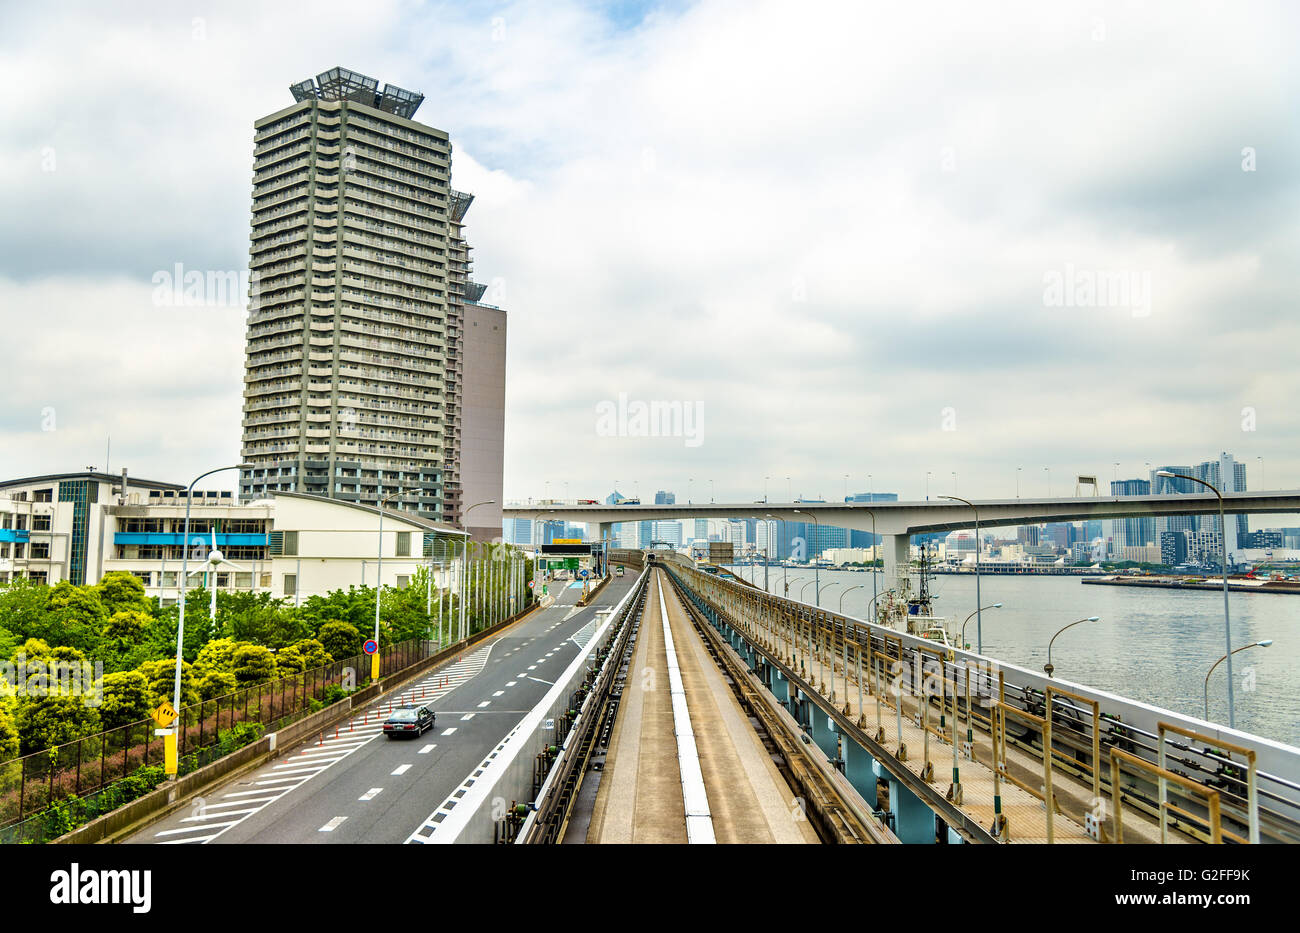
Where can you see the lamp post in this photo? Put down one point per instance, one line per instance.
(860, 586)
(170, 740)
(804, 587)
(379, 582)
(979, 619)
(464, 560)
(1048, 666)
(816, 563)
(1258, 644)
(1223, 563)
(963, 645)
(826, 587)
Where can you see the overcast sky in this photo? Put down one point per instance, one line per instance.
(858, 237)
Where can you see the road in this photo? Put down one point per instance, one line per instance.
(360, 787)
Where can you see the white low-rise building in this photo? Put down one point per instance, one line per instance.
(80, 526)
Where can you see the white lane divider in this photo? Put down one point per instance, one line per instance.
(371, 794)
(699, 821)
(449, 731)
(333, 824)
(400, 770)
(427, 749)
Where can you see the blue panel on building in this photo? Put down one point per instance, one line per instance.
(149, 537)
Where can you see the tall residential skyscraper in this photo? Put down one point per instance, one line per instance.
(360, 379)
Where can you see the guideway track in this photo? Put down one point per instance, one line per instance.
(644, 792)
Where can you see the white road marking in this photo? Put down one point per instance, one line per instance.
(190, 829)
(484, 703)
(449, 731)
(371, 794)
(498, 693)
(427, 749)
(511, 683)
(467, 717)
(400, 770)
(213, 816)
(540, 681)
(333, 824)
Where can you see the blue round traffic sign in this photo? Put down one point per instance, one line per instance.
(371, 646)
(583, 574)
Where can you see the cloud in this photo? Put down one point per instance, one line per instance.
(827, 223)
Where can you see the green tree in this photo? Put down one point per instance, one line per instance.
(120, 591)
(259, 618)
(76, 617)
(289, 661)
(23, 608)
(254, 664)
(161, 675)
(213, 683)
(313, 653)
(217, 655)
(8, 733)
(340, 639)
(127, 626)
(46, 721)
(126, 699)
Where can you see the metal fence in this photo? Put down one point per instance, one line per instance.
(31, 783)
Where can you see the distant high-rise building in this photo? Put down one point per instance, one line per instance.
(665, 498)
(1225, 473)
(371, 366)
(702, 529)
(1131, 532)
(1173, 548)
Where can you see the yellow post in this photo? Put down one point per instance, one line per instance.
(374, 666)
(169, 754)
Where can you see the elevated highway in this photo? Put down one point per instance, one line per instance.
(898, 521)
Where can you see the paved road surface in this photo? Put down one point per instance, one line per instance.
(363, 787)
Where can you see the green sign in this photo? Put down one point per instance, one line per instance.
(571, 563)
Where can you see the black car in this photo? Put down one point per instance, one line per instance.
(411, 721)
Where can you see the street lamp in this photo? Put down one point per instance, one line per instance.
(1258, 644)
(1223, 562)
(964, 646)
(464, 558)
(379, 582)
(860, 586)
(826, 587)
(816, 563)
(1048, 666)
(979, 619)
(804, 587)
(180, 621)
